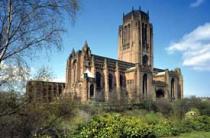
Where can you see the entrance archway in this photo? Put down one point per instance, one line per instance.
(160, 93)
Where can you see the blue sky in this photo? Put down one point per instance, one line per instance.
(181, 37)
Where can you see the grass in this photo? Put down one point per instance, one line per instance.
(193, 135)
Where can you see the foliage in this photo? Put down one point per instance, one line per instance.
(67, 118)
(194, 134)
(199, 123)
(118, 125)
(138, 123)
(163, 106)
(181, 107)
(19, 119)
(193, 113)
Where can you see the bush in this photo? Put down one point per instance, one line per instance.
(144, 126)
(200, 123)
(164, 106)
(193, 113)
(117, 125)
(101, 126)
(181, 107)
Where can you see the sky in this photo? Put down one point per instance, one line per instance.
(181, 37)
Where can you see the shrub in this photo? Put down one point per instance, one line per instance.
(136, 127)
(149, 105)
(164, 106)
(117, 125)
(180, 107)
(102, 126)
(193, 113)
(199, 123)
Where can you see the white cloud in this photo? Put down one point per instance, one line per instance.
(61, 79)
(194, 47)
(196, 3)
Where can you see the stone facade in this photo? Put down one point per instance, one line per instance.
(44, 91)
(132, 75)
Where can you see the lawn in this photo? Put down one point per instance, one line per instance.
(193, 135)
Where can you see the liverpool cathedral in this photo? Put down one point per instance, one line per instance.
(133, 75)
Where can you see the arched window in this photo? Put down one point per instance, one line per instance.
(59, 89)
(142, 32)
(121, 81)
(145, 84)
(110, 81)
(160, 93)
(91, 90)
(74, 70)
(98, 80)
(172, 88)
(49, 96)
(44, 95)
(145, 60)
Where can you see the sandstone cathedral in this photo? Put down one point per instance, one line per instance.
(133, 75)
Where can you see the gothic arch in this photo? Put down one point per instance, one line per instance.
(98, 80)
(160, 93)
(172, 88)
(110, 81)
(74, 70)
(145, 84)
(122, 81)
(91, 90)
(145, 60)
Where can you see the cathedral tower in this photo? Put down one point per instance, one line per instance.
(136, 39)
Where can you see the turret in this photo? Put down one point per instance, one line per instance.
(135, 38)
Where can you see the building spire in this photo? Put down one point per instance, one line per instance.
(86, 43)
(85, 46)
(139, 8)
(73, 51)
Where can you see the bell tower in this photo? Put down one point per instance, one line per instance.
(135, 38)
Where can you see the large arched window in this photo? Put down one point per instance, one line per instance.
(145, 60)
(172, 88)
(98, 80)
(145, 84)
(121, 81)
(110, 81)
(91, 90)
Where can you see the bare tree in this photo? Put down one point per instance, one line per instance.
(13, 77)
(44, 74)
(28, 25)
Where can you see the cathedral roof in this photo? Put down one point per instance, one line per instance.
(158, 70)
(135, 14)
(160, 73)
